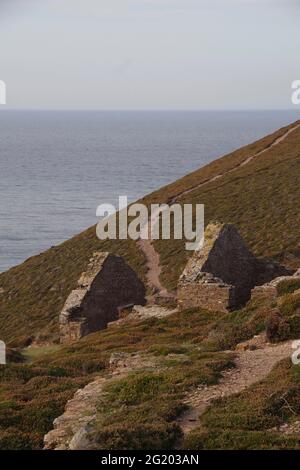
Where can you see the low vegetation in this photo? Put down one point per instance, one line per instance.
(288, 286)
(251, 419)
(187, 345)
(261, 198)
(35, 292)
(140, 410)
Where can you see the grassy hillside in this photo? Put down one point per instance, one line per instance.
(248, 420)
(261, 198)
(32, 395)
(141, 409)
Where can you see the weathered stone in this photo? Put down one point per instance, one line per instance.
(222, 274)
(73, 430)
(79, 412)
(289, 429)
(107, 286)
(81, 439)
(121, 362)
(267, 269)
(139, 313)
(257, 342)
(269, 289)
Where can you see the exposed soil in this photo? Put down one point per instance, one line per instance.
(146, 245)
(240, 165)
(251, 366)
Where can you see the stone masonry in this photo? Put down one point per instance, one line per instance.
(269, 289)
(222, 274)
(108, 285)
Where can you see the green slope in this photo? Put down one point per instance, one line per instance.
(261, 198)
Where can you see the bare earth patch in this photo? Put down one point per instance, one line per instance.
(251, 366)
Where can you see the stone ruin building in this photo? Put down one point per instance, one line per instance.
(221, 275)
(107, 286)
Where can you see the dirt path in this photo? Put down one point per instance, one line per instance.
(251, 367)
(71, 429)
(153, 268)
(152, 257)
(153, 260)
(146, 245)
(240, 165)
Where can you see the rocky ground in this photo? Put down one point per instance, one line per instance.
(71, 429)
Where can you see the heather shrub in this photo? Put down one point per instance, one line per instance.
(137, 436)
(290, 304)
(277, 328)
(288, 286)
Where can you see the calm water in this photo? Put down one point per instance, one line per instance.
(56, 167)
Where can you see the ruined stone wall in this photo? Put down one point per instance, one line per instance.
(220, 275)
(268, 291)
(108, 284)
(215, 296)
(223, 273)
(230, 260)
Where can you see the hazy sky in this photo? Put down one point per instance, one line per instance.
(149, 54)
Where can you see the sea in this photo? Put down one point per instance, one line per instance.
(56, 167)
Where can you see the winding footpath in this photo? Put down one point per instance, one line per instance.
(250, 367)
(71, 429)
(146, 245)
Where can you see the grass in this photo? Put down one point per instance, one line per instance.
(247, 420)
(33, 394)
(260, 198)
(288, 286)
(139, 411)
(31, 398)
(30, 354)
(35, 291)
(290, 304)
(187, 345)
(145, 405)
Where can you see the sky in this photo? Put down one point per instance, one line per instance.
(149, 54)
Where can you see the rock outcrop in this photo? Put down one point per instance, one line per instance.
(269, 290)
(107, 286)
(73, 430)
(222, 274)
(139, 313)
